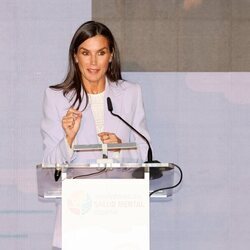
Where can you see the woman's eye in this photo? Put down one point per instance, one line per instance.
(85, 53)
(101, 53)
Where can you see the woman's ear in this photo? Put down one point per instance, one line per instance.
(75, 58)
(111, 57)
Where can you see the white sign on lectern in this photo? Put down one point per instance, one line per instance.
(106, 214)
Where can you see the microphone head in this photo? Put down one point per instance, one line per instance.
(110, 106)
(57, 174)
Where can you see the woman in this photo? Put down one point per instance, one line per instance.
(75, 111)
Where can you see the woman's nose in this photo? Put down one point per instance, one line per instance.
(93, 60)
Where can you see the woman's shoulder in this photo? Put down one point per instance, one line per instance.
(127, 86)
(49, 91)
(56, 96)
(54, 93)
(54, 99)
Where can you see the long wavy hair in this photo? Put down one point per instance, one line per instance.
(73, 82)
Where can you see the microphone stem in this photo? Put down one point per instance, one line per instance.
(150, 154)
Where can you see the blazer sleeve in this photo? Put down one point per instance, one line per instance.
(139, 122)
(55, 149)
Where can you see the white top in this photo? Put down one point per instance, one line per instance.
(97, 105)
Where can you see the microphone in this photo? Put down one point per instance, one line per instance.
(155, 173)
(57, 173)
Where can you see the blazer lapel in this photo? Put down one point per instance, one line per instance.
(114, 91)
(87, 133)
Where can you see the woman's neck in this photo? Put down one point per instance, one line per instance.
(94, 87)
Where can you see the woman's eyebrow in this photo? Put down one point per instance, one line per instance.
(82, 48)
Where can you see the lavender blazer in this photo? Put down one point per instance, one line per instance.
(127, 102)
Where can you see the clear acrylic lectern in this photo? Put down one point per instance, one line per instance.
(103, 205)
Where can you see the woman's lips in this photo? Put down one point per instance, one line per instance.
(93, 71)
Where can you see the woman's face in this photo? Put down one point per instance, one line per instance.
(93, 57)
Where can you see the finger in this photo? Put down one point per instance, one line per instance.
(74, 114)
(68, 120)
(107, 141)
(66, 123)
(74, 111)
(106, 134)
(109, 137)
(105, 137)
(68, 117)
(68, 126)
(114, 138)
(103, 134)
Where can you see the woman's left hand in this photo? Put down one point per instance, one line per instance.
(107, 137)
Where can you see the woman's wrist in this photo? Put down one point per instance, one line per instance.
(70, 140)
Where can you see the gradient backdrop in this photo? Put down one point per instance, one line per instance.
(198, 120)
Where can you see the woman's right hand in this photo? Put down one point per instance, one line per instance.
(71, 123)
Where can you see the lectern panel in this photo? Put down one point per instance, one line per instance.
(107, 214)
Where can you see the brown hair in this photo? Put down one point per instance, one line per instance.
(73, 81)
